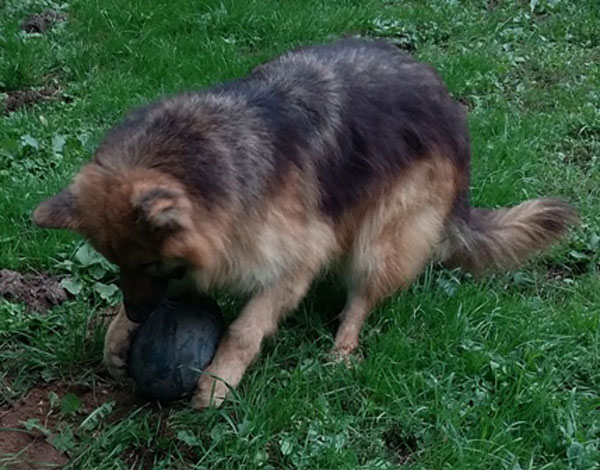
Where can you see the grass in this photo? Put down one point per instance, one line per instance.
(501, 372)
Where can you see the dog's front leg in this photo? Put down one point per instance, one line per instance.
(242, 341)
(117, 342)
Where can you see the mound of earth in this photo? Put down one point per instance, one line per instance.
(16, 99)
(38, 292)
(41, 22)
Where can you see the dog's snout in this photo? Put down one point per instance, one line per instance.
(137, 312)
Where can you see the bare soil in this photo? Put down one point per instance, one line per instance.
(400, 445)
(16, 99)
(38, 292)
(42, 22)
(22, 449)
(28, 450)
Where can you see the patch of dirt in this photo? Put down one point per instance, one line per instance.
(557, 273)
(30, 450)
(400, 445)
(569, 269)
(17, 99)
(581, 146)
(465, 103)
(33, 449)
(38, 291)
(42, 22)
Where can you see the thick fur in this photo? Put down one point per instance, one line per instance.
(504, 238)
(350, 153)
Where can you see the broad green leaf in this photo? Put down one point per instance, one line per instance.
(189, 438)
(86, 256)
(72, 285)
(35, 424)
(65, 441)
(58, 143)
(106, 291)
(30, 141)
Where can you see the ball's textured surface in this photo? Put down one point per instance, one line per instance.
(173, 346)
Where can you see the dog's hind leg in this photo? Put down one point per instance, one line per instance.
(392, 262)
(394, 243)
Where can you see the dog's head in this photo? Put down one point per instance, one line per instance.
(139, 219)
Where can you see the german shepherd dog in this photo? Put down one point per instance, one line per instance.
(349, 154)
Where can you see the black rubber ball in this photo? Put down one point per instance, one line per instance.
(173, 346)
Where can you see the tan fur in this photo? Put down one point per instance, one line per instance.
(284, 234)
(110, 200)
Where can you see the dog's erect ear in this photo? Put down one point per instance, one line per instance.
(161, 207)
(58, 211)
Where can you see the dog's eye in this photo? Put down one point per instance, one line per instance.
(148, 267)
(178, 273)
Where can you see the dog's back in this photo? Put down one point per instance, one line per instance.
(350, 116)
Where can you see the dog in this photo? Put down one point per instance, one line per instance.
(349, 154)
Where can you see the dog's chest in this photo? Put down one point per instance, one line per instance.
(259, 255)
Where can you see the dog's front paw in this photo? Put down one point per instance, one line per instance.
(116, 345)
(210, 391)
(349, 356)
(116, 363)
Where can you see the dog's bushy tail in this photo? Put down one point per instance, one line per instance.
(505, 238)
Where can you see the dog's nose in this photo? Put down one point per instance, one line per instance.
(137, 313)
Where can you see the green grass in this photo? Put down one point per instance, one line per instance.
(459, 373)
